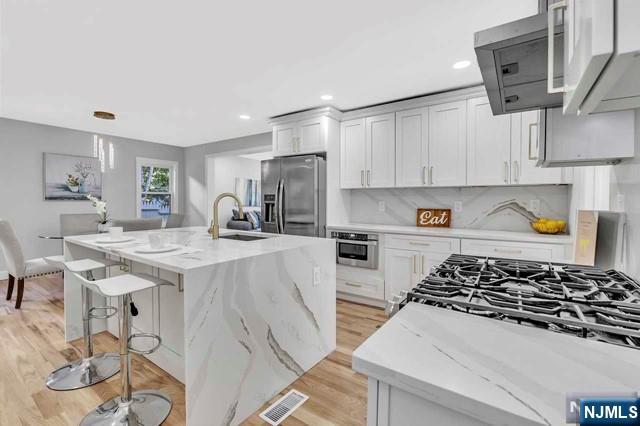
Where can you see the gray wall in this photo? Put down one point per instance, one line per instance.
(21, 190)
(196, 176)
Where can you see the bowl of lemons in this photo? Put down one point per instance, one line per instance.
(544, 225)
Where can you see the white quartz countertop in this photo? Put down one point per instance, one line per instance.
(480, 234)
(197, 248)
(498, 372)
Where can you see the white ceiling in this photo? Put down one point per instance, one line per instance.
(180, 72)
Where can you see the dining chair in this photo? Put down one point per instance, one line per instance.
(144, 224)
(19, 268)
(174, 220)
(78, 224)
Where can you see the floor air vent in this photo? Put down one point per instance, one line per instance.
(282, 408)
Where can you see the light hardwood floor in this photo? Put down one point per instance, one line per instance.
(32, 344)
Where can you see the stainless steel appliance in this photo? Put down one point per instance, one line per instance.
(578, 300)
(356, 249)
(294, 192)
(513, 61)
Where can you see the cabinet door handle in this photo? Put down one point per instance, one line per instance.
(422, 266)
(368, 177)
(415, 243)
(431, 175)
(506, 172)
(424, 175)
(352, 284)
(551, 25)
(513, 251)
(361, 177)
(413, 258)
(516, 172)
(531, 125)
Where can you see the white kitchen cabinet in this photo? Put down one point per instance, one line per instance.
(503, 149)
(284, 139)
(448, 144)
(381, 147)
(412, 147)
(353, 153)
(524, 153)
(515, 250)
(488, 145)
(601, 61)
(367, 147)
(302, 137)
(408, 259)
(400, 271)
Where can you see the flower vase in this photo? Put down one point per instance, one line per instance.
(104, 227)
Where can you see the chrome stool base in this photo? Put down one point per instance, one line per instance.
(146, 407)
(84, 372)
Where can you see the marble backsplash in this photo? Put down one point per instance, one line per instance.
(493, 208)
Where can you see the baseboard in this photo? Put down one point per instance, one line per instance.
(361, 299)
(4, 275)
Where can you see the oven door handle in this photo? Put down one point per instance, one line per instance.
(358, 243)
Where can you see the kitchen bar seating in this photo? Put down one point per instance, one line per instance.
(145, 407)
(91, 368)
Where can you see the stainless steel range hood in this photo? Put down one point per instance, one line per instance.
(513, 62)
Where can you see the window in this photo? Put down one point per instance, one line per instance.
(156, 187)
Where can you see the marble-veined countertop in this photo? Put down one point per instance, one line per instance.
(480, 234)
(498, 372)
(198, 250)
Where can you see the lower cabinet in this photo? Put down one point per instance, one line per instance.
(409, 259)
(515, 250)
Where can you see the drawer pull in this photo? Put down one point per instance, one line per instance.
(497, 250)
(414, 243)
(352, 284)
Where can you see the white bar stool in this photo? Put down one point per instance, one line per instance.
(145, 407)
(91, 368)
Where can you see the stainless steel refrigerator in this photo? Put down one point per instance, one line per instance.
(294, 194)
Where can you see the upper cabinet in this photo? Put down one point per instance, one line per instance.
(367, 152)
(601, 61)
(502, 149)
(352, 153)
(304, 136)
(447, 144)
(430, 145)
(412, 147)
(489, 144)
(381, 151)
(524, 152)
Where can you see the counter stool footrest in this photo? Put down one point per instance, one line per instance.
(113, 311)
(155, 337)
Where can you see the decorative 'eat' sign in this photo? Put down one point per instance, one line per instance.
(434, 218)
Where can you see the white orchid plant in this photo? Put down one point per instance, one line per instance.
(101, 208)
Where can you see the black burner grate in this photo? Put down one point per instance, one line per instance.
(573, 299)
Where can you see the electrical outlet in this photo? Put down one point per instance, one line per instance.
(457, 206)
(316, 276)
(620, 201)
(381, 206)
(534, 206)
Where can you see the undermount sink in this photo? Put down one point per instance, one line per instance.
(243, 237)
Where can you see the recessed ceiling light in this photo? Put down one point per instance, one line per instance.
(104, 115)
(461, 64)
(244, 117)
(326, 97)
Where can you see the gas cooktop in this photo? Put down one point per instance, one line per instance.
(573, 299)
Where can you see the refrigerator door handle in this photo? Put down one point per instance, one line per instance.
(280, 203)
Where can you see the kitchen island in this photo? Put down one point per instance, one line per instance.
(243, 320)
(431, 365)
